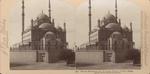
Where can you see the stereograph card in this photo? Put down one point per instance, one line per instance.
(74, 36)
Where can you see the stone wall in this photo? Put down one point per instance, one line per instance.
(23, 57)
(89, 57)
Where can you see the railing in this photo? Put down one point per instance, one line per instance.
(36, 47)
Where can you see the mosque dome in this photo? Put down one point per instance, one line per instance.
(46, 26)
(109, 18)
(42, 16)
(113, 26)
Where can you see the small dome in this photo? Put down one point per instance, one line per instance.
(116, 35)
(94, 30)
(125, 40)
(125, 28)
(59, 41)
(46, 26)
(50, 35)
(42, 16)
(113, 26)
(59, 28)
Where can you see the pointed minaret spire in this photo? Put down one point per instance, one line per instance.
(31, 23)
(53, 22)
(99, 23)
(23, 18)
(131, 31)
(65, 33)
(120, 22)
(116, 9)
(131, 26)
(65, 26)
(50, 10)
(90, 19)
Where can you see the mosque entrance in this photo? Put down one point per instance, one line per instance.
(108, 56)
(42, 56)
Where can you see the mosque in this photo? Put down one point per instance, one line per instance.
(115, 41)
(42, 36)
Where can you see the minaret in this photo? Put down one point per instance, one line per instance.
(90, 19)
(50, 17)
(65, 32)
(131, 31)
(64, 26)
(31, 23)
(131, 26)
(120, 22)
(53, 22)
(116, 9)
(23, 18)
(99, 23)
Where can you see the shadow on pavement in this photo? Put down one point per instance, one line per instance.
(16, 65)
(83, 65)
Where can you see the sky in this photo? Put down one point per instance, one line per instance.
(75, 14)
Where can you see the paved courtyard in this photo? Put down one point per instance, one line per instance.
(107, 66)
(63, 66)
(44, 66)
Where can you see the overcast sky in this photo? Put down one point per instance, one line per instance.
(75, 14)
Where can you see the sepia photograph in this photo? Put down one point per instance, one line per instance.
(75, 35)
(3, 42)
